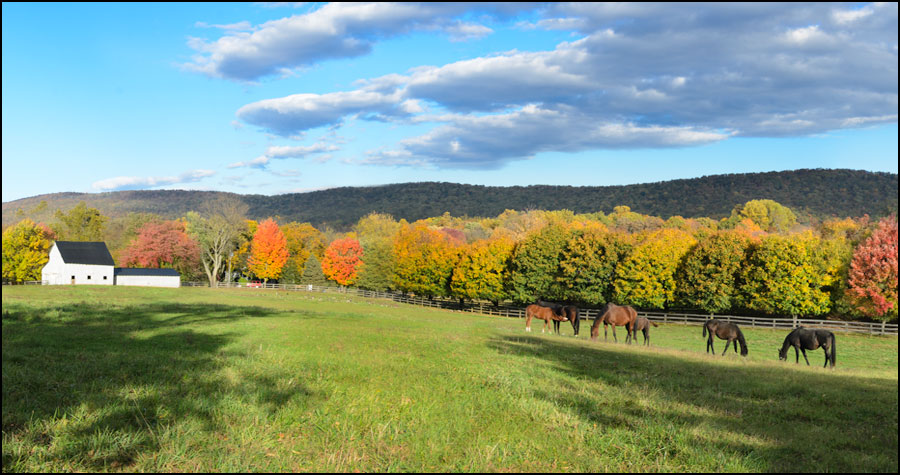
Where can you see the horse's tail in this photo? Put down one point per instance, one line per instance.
(704, 329)
(740, 338)
(833, 349)
(652, 322)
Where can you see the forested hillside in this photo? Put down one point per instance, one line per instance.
(817, 193)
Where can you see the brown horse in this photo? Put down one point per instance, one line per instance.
(615, 315)
(543, 313)
(642, 324)
(568, 312)
(726, 331)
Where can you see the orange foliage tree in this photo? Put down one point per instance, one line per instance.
(341, 261)
(268, 251)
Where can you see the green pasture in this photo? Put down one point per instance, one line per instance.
(193, 379)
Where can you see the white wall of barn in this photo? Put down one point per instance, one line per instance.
(60, 273)
(149, 280)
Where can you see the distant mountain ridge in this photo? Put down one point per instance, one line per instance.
(809, 192)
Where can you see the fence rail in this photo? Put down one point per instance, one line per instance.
(584, 313)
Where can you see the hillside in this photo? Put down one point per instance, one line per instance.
(817, 193)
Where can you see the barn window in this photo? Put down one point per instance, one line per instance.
(89, 277)
(104, 277)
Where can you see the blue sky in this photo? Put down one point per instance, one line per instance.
(280, 98)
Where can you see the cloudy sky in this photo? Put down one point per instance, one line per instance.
(279, 98)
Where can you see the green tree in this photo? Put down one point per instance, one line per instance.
(312, 272)
(707, 277)
(587, 267)
(534, 266)
(80, 224)
(376, 233)
(26, 249)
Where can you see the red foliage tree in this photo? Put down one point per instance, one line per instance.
(873, 272)
(162, 244)
(342, 260)
(268, 251)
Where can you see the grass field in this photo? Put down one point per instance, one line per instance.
(192, 379)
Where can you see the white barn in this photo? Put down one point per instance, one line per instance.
(91, 263)
(79, 263)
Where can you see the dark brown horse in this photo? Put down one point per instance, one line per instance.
(807, 339)
(615, 315)
(569, 312)
(642, 324)
(726, 331)
(543, 313)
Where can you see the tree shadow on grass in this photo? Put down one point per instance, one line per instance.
(93, 386)
(776, 418)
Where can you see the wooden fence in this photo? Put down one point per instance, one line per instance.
(584, 313)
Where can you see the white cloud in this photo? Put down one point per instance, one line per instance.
(336, 30)
(640, 76)
(137, 183)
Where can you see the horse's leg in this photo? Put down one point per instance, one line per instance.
(604, 331)
(528, 323)
(616, 340)
(804, 355)
(735, 346)
(709, 344)
(727, 344)
(796, 356)
(825, 348)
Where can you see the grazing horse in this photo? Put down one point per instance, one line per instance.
(615, 315)
(807, 339)
(569, 312)
(544, 313)
(642, 324)
(726, 331)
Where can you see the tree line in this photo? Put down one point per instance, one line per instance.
(758, 259)
(811, 194)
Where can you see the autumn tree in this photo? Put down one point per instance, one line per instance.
(647, 275)
(769, 215)
(341, 261)
(163, 244)
(216, 228)
(80, 224)
(873, 272)
(707, 277)
(268, 251)
(425, 259)
(26, 249)
(482, 270)
(303, 240)
(779, 276)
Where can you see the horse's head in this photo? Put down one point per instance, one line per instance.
(782, 353)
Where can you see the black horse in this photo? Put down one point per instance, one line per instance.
(807, 339)
(569, 312)
(727, 331)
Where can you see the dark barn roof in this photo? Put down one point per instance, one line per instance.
(147, 272)
(91, 253)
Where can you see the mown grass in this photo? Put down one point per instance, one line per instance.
(126, 379)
